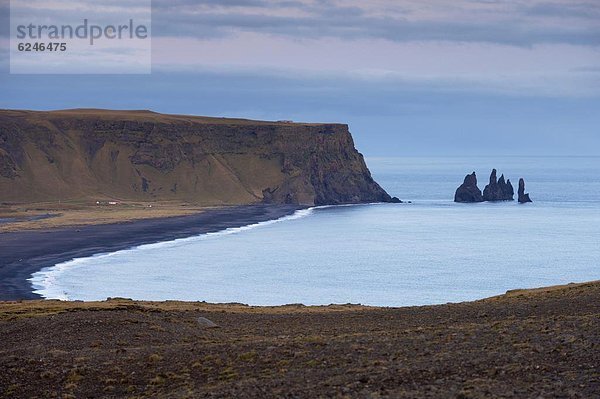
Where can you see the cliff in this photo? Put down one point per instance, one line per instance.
(145, 156)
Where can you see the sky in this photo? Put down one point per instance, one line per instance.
(411, 78)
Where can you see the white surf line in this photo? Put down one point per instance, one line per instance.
(44, 282)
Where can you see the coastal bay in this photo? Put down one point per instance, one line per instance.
(430, 251)
(358, 244)
(300, 199)
(25, 252)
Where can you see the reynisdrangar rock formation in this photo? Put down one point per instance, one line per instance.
(468, 191)
(498, 189)
(523, 197)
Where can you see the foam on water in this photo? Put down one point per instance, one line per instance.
(45, 281)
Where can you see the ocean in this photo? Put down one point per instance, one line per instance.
(430, 251)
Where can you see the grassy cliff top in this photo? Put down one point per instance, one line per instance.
(147, 116)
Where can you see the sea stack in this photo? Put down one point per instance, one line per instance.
(468, 191)
(523, 197)
(498, 189)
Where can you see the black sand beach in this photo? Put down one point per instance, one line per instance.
(26, 252)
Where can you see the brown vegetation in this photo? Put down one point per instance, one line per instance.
(537, 343)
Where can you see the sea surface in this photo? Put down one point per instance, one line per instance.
(428, 252)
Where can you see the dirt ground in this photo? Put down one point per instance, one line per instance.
(48, 215)
(541, 343)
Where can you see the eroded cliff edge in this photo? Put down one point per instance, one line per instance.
(142, 155)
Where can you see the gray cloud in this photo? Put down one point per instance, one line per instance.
(583, 10)
(115, 12)
(202, 26)
(4, 19)
(520, 26)
(484, 21)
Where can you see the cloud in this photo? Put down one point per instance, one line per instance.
(582, 10)
(514, 23)
(520, 46)
(548, 47)
(544, 69)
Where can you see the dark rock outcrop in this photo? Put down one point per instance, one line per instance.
(523, 197)
(498, 189)
(146, 156)
(468, 191)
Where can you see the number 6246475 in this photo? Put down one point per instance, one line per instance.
(51, 46)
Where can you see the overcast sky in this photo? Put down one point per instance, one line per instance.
(427, 77)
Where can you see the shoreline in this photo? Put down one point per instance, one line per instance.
(23, 253)
(7, 306)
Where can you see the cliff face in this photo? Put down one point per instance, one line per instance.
(141, 155)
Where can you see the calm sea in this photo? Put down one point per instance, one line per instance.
(428, 252)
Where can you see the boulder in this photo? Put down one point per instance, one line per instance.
(468, 191)
(523, 197)
(203, 322)
(498, 189)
